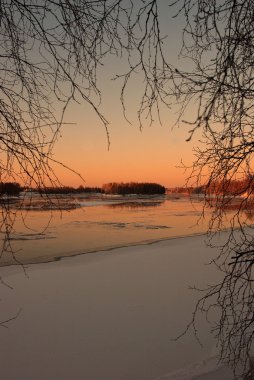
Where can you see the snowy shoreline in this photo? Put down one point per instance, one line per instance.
(110, 315)
(70, 255)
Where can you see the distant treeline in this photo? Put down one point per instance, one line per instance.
(235, 187)
(108, 188)
(232, 186)
(68, 190)
(225, 187)
(10, 188)
(133, 188)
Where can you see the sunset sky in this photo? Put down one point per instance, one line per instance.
(152, 154)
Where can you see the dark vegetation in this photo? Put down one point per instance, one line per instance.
(226, 187)
(109, 188)
(68, 190)
(10, 188)
(133, 188)
(231, 187)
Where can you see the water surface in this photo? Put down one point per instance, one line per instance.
(86, 224)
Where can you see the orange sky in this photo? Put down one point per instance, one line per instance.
(151, 155)
(148, 155)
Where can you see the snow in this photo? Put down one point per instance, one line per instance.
(110, 315)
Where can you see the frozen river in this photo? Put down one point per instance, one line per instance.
(113, 313)
(92, 223)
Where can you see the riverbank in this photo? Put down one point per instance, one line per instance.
(110, 315)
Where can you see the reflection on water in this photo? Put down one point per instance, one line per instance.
(249, 215)
(136, 204)
(87, 224)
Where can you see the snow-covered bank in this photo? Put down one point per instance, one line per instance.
(109, 316)
(208, 369)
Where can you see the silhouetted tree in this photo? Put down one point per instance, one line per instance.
(10, 188)
(68, 190)
(50, 54)
(218, 38)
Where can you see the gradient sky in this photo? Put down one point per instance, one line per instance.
(152, 154)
